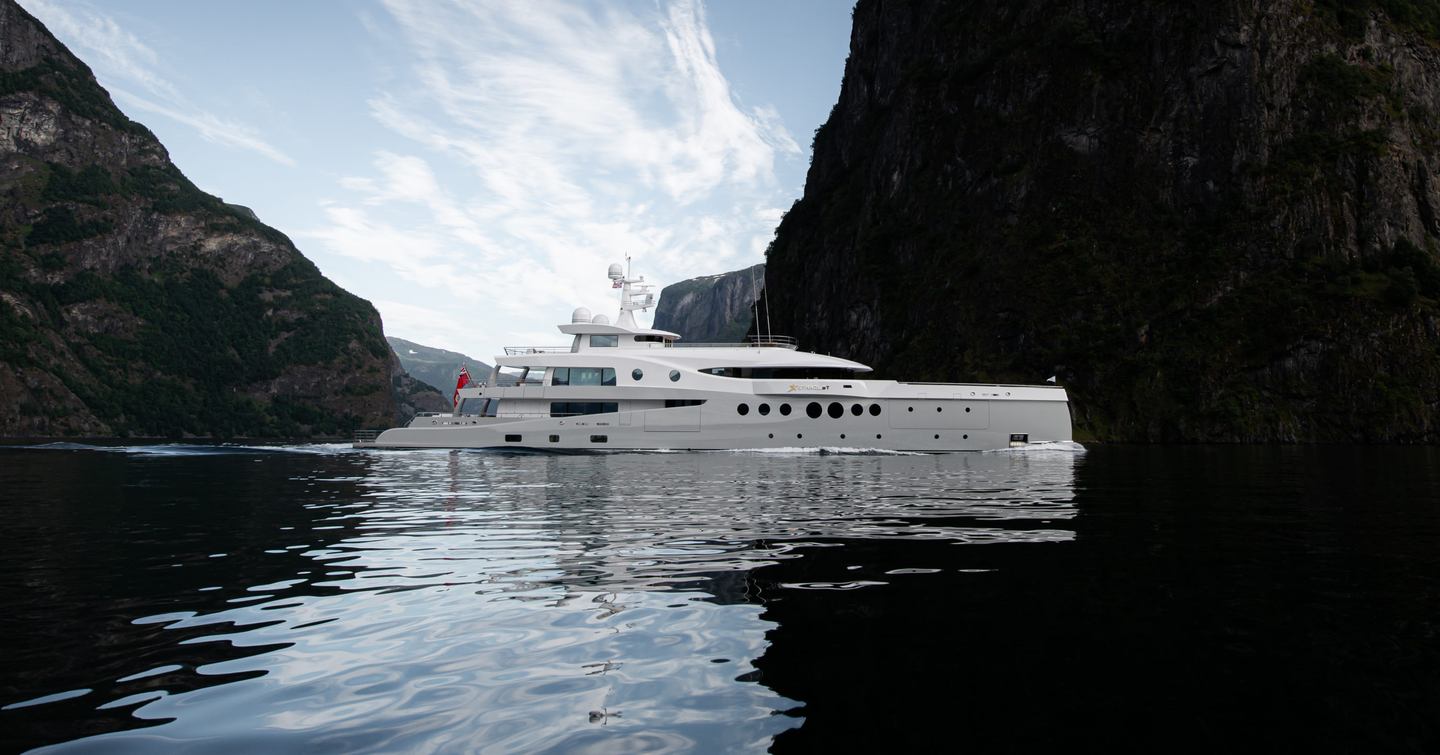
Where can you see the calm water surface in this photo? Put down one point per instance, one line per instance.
(317, 599)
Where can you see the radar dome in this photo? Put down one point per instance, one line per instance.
(600, 320)
(581, 314)
(617, 272)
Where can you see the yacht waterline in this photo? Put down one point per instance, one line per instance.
(622, 387)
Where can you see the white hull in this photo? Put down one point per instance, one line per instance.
(925, 422)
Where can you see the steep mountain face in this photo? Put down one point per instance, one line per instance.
(436, 367)
(132, 303)
(1213, 221)
(712, 308)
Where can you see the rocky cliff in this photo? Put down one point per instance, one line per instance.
(712, 308)
(132, 303)
(1213, 221)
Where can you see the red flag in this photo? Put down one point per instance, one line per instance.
(460, 382)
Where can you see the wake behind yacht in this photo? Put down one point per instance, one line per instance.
(620, 386)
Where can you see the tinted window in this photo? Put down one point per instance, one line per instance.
(572, 408)
(560, 376)
(671, 403)
(674, 376)
(636, 374)
(604, 340)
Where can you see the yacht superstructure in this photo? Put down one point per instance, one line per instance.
(620, 386)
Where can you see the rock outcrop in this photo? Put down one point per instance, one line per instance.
(436, 367)
(134, 304)
(1213, 221)
(711, 308)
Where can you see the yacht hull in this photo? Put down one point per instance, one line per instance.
(1009, 416)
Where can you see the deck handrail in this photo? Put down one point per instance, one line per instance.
(514, 351)
(751, 342)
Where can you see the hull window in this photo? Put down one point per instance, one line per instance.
(573, 408)
(857, 410)
(836, 410)
(512, 439)
(599, 439)
(875, 410)
(764, 410)
(554, 439)
(743, 409)
(675, 403)
(785, 409)
(813, 409)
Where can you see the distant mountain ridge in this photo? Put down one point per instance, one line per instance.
(436, 367)
(134, 304)
(711, 308)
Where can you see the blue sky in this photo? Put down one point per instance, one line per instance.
(471, 168)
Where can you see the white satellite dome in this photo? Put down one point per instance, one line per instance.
(600, 320)
(617, 271)
(581, 314)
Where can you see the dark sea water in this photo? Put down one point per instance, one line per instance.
(317, 599)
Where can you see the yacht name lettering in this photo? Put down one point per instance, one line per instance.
(794, 388)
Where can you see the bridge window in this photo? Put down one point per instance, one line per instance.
(583, 376)
(650, 339)
(600, 341)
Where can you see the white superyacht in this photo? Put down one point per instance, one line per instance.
(620, 386)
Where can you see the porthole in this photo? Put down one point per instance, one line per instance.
(874, 410)
(877, 436)
(799, 435)
(836, 410)
(764, 409)
(772, 435)
(966, 436)
(967, 410)
(842, 436)
(554, 439)
(743, 409)
(937, 436)
(674, 376)
(857, 410)
(813, 409)
(636, 374)
(785, 409)
(909, 408)
(939, 409)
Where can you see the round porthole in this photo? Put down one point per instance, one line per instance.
(836, 410)
(764, 409)
(636, 374)
(842, 436)
(967, 410)
(743, 409)
(813, 409)
(909, 408)
(785, 409)
(965, 437)
(874, 410)
(857, 410)
(877, 436)
(937, 436)
(772, 435)
(799, 435)
(674, 376)
(938, 409)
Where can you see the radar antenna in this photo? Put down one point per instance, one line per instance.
(634, 294)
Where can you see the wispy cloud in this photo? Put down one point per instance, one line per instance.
(579, 133)
(120, 58)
